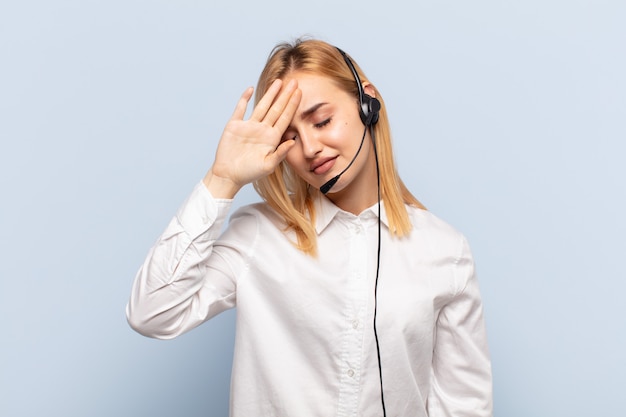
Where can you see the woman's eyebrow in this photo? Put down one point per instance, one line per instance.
(306, 113)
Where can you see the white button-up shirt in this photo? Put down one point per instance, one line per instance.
(305, 342)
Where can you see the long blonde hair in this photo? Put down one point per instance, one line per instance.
(287, 193)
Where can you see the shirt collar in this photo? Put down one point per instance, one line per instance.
(326, 211)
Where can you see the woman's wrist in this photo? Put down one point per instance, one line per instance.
(220, 187)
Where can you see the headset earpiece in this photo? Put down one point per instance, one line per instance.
(369, 106)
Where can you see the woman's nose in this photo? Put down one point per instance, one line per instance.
(311, 146)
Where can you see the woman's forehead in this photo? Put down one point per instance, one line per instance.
(315, 88)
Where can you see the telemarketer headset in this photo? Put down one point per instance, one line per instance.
(368, 111)
(369, 108)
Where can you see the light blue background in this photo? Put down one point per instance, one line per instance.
(509, 123)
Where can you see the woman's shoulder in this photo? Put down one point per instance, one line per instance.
(430, 226)
(260, 213)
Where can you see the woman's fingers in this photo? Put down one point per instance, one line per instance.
(287, 111)
(280, 104)
(275, 102)
(280, 153)
(242, 104)
(260, 110)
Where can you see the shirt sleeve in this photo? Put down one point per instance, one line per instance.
(461, 372)
(172, 291)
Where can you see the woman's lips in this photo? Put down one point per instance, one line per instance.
(323, 165)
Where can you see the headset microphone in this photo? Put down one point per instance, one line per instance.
(329, 184)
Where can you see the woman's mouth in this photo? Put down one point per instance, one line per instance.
(323, 165)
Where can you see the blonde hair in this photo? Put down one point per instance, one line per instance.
(287, 193)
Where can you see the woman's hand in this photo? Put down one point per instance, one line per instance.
(251, 149)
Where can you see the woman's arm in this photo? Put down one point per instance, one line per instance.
(461, 372)
(174, 290)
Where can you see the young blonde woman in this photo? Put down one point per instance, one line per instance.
(352, 299)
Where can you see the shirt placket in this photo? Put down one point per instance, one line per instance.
(354, 315)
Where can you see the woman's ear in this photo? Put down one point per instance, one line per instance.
(369, 89)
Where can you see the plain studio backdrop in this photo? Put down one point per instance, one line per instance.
(509, 122)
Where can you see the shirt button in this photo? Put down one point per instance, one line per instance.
(355, 324)
(350, 373)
